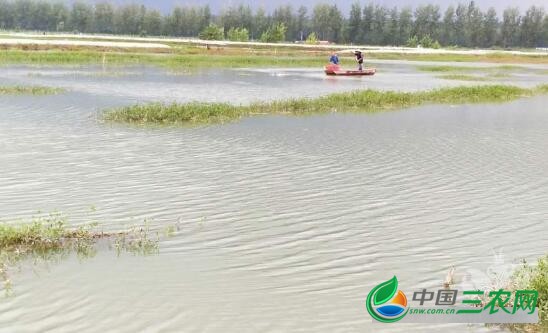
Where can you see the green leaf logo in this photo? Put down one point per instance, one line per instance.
(385, 291)
(385, 303)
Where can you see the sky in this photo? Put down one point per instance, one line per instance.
(217, 5)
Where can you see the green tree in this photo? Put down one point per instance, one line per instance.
(260, 23)
(545, 32)
(60, 16)
(490, 28)
(104, 18)
(302, 22)
(510, 27)
(127, 19)
(274, 34)
(212, 32)
(320, 21)
(238, 35)
(448, 29)
(153, 22)
(427, 21)
(379, 25)
(474, 22)
(6, 15)
(81, 17)
(393, 31)
(531, 27)
(460, 25)
(354, 27)
(405, 25)
(284, 15)
(367, 23)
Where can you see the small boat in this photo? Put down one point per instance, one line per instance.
(336, 70)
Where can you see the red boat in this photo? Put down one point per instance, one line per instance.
(336, 70)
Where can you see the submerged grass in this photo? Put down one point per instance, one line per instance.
(49, 238)
(460, 69)
(462, 77)
(29, 90)
(497, 57)
(186, 60)
(357, 101)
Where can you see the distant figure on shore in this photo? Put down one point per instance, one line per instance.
(334, 59)
(359, 59)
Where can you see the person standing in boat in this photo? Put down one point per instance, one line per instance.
(359, 59)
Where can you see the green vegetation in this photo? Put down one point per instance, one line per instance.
(212, 32)
(426, 42)
(29, 90)
(487, 73)
(497, 57)
(533, 277)
(462, 77)
(173, 61)
(48, 238)
(465, 25)
(312, 39)
(238, 35)
(274, 34)
(447, 69)
(358, 101)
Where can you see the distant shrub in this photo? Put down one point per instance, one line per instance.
(312, 39)
(426, 42)
(412, 42)
(212, 32)
(274, 34)
(238, 35)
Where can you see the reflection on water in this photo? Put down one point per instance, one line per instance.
(285, 223)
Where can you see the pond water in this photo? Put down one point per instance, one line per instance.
(285, 223)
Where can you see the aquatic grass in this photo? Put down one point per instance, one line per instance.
(50, 238)
(29, 90)
(192, 57)
(356, 101)
(462, 77)
(461, 69)
(446, 68)
(497, 57)
(542, 89)
(531, 277)
(176, 60)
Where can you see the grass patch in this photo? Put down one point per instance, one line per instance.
(178, 60)
(533, 277)
(358, 101)
(502, 58)
(460, 69)
(49, 238)
(447, 69)
(29, 90)
(462, 77)
(200, 56)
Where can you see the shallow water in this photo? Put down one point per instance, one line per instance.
(285, 223)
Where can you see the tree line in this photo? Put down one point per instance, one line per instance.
(464, 25)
